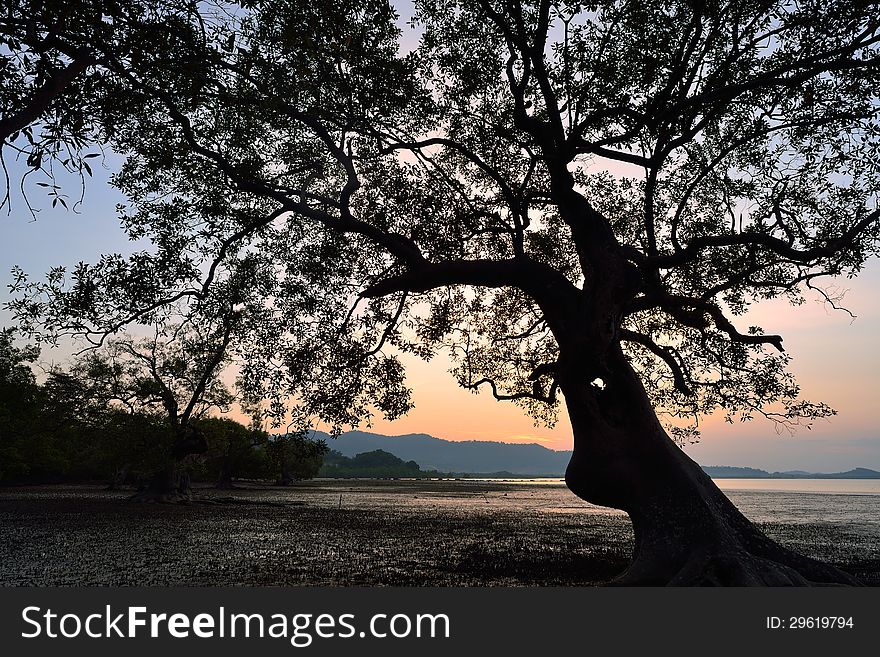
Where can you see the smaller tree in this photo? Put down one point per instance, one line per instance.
(175, 373)
(295, 457)
(72, 425)
(234, 450)
(19, 395)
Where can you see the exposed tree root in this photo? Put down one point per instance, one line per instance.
(735, 566)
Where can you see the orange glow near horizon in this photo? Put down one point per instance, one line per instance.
(445, 410)
(835, 359)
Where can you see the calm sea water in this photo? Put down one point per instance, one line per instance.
(853, 502)
(817, 486)
(836, 501)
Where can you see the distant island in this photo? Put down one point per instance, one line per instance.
(730, 472)
(470, 457)
(422, 455)
(377, 464)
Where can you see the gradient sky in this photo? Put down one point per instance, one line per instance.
(836, 358)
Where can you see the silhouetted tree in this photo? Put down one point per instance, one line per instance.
(234, 450)
(573, 200)
(20, 401)
(294, 457)
(176, 371)
(90, 407)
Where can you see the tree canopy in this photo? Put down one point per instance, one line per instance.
(653, 167)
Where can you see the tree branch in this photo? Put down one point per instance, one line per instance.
(673, 304)
(541, 281)
(780, 247)
(665, 354)
(41, 99)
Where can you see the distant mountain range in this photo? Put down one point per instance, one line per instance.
(518, 459)
(730, 472)
(470, 456)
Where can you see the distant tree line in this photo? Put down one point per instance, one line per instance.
(80, 425)
(377, 463)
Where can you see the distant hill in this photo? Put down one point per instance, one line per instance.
(471, 456)
(372, 465)
(490, 458)
(729, 472)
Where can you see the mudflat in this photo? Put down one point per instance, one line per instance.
(348, 533)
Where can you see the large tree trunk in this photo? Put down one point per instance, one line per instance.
(286, 478)
(119, 477)
(224, 481)
(686, 530)
(171, 484)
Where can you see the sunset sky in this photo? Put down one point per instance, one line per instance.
(837, 359)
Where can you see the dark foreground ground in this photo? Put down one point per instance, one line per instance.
(355, 533)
